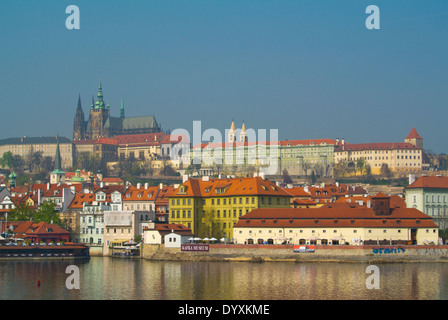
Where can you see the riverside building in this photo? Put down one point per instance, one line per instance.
(210, 207)
(338, 223)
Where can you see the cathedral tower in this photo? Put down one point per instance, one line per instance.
(99, 114)
(79, 125)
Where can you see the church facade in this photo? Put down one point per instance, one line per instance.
(101, 124)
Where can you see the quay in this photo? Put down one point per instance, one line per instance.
(293, 253)
(47, 252)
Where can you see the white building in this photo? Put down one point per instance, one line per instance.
(171, 235)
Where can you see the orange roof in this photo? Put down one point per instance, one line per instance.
(139, 139)
(413, 134)
(395, 201)
(112, 180)
(430, 182)
(174, 138)
(334, 215)
(297, 192)
(38, 228)
(229, 187)
(165, 228)
(375, 146)
(142, 194)
(80, 198)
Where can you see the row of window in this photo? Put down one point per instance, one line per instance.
(247, 200)
(433, 198)
(325, 231)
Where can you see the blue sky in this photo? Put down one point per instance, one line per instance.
(310, 69)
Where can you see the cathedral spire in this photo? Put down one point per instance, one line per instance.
(57, 157)
(79, 103)
(100, 102)
(122, 109)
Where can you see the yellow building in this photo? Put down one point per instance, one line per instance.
(210, 207)
(398, 156)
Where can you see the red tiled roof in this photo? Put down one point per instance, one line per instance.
(112, 180)
(165, 228)
(375, 146)
(27, 227)
(335, 215)
(395, 201)
(174, 138)
(297, 192)
(80, 198)
(413, 134)
(139, 139)
(142, 194)
(229, 187)
(440, 182)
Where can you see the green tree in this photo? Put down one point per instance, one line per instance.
(48, 213)
(7, 160)
(361, 165)
(23, 212)
(210, 227)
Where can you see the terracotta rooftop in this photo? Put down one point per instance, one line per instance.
(413, 134)
(375, 146)
(440, 182)
(334, 215)
(229, 187)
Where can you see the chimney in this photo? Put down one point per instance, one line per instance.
(337, 184)
(48, 186)
(146, 186)
(102, 184)
(161, 186)
(368, 204)
(411, 178)
(138, 185)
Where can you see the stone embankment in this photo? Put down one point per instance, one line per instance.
(272, 253)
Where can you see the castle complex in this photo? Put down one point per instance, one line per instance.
(102, 124)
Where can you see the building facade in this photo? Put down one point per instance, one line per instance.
(210, 207)
(403, 157)
(429, 194)
(338, 223)
(25, 147)
(297, 157)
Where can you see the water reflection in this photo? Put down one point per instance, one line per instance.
(118, 279)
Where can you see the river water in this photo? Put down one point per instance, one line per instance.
(119, 279)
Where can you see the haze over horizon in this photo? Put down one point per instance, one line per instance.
(310, 69)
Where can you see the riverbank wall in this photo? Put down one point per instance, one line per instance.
(321, 253)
